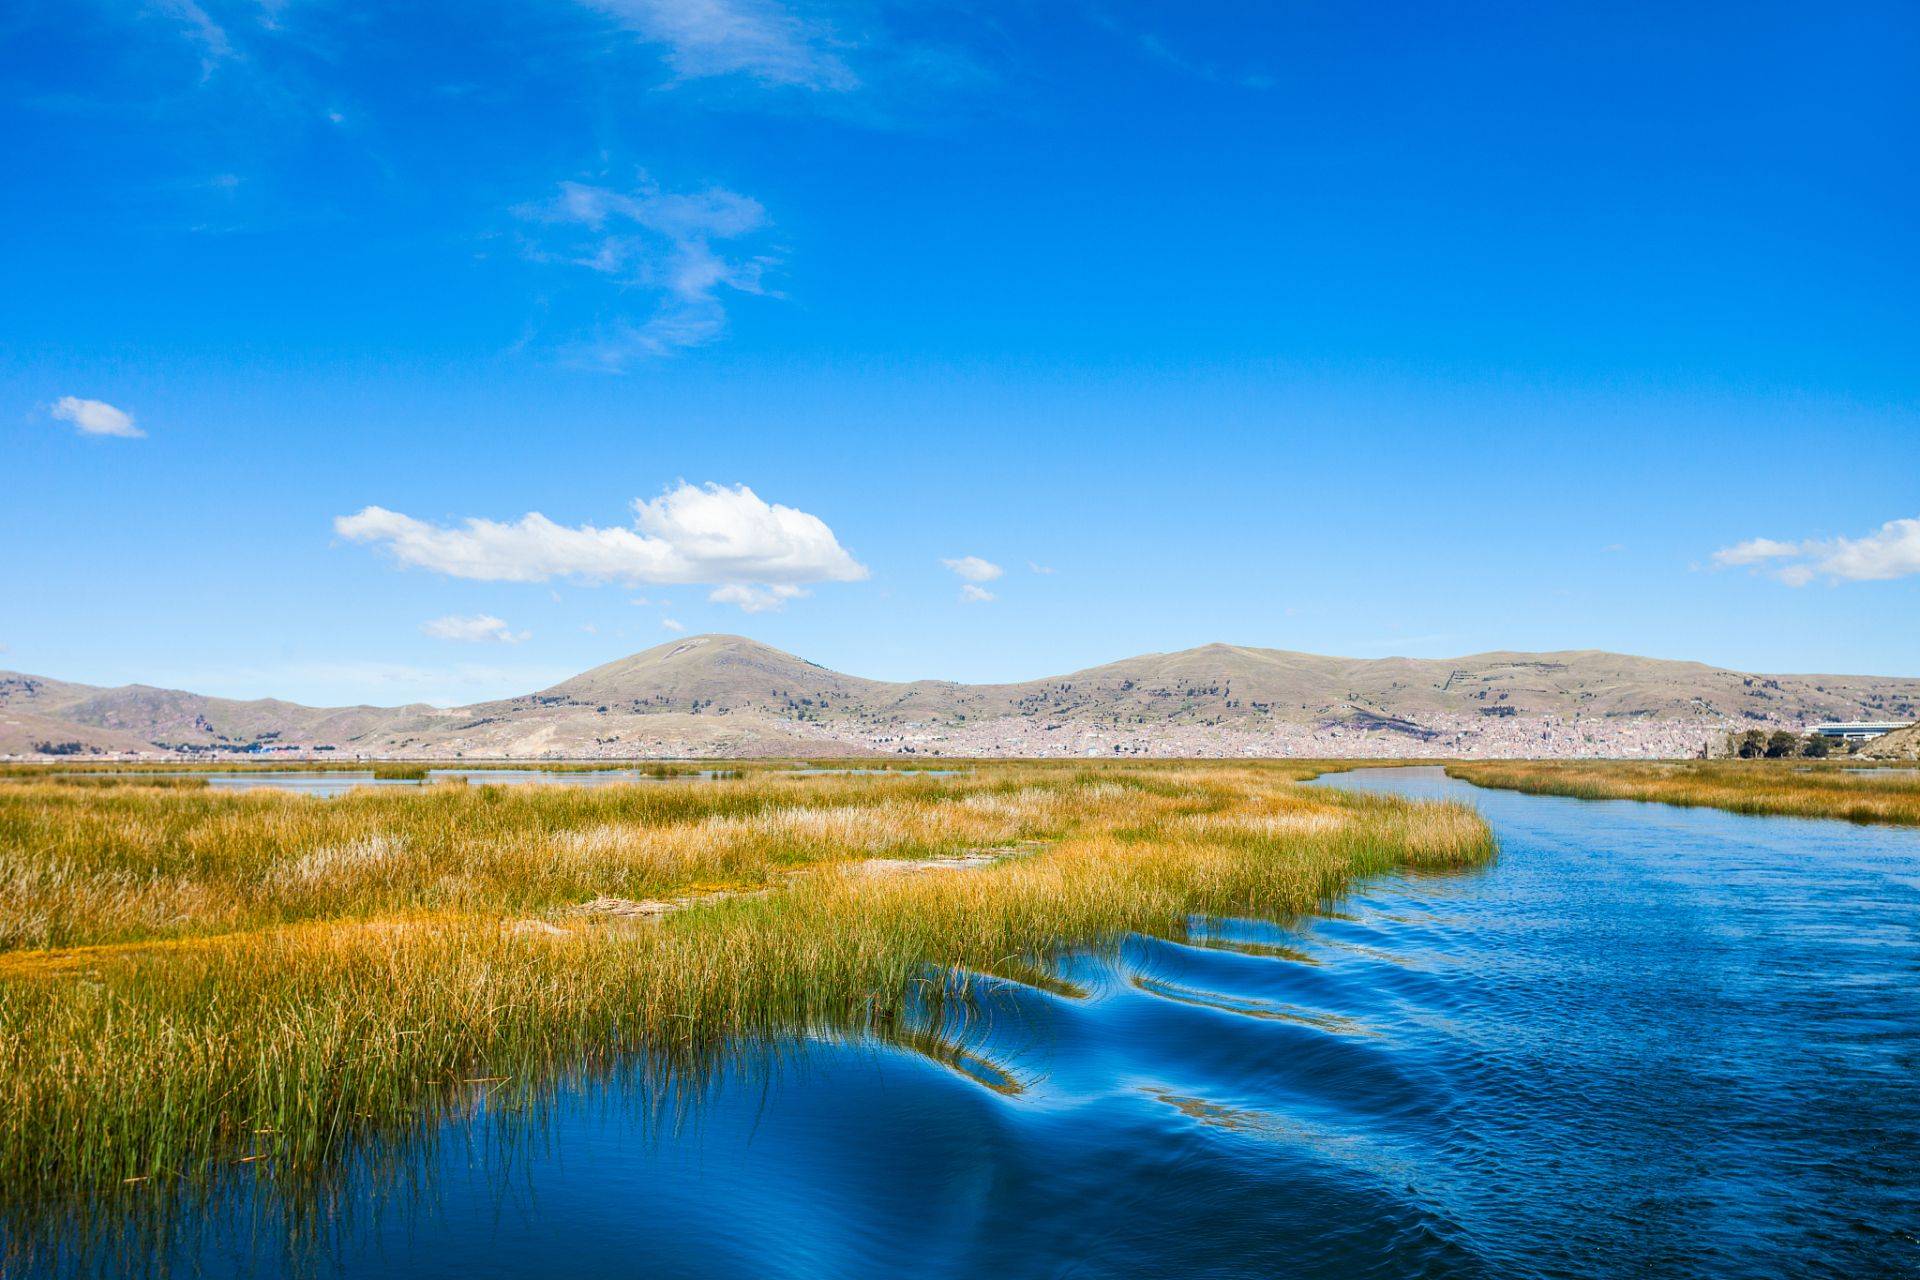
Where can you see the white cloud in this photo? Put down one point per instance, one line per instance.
(1039, 568)
(971, 594)
(1754, 551)
(754, 38)
(756, 599)
(661, 244)
(1891, 551)
(690, 534)
(974, 569)
(95, 418)
(473, 630)
(672, 624)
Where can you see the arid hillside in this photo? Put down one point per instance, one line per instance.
(728, 695)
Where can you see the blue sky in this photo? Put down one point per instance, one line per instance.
(1355, 329)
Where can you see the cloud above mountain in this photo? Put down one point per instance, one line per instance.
(477, 629)
(1891, 551)
(756, 599)
(706, 534)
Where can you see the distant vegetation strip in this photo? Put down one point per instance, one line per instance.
(190, 979)
(1746, 786)
(347, 764)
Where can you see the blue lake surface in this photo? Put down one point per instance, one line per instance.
(1648, 1041)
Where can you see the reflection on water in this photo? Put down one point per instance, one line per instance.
(1648, 1041)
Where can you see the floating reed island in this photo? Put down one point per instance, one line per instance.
(1782, 787)
(191, 979)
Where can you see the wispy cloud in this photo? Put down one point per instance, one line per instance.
(1043, 570)
(756, 599)
(661, 244)
(1891, 551)
(476, 629)
(690, 534)
(209, 36)
(1157, 49)
(672, 624)
(95, 418)
(1754, 551)
(762, 41)
(973, 593)
(974, 569)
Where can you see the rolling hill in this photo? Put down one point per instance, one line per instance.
(720, 694)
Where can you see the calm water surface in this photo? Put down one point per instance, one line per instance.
(1648, 1042)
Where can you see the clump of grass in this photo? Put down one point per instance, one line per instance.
(399, 771)
(265, 975)
(1794, 789)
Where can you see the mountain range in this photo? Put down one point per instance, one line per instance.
(722, 694)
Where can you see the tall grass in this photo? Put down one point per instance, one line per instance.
(400, 771)
(196, 978)
(350, 764)
(1791, 788)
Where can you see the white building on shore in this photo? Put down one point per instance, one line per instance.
(1855, 730)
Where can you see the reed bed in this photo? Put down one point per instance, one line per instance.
(185, 764)
(1789, 788)
(125, 780)
(349, 764)
(192, 979)
(400, 771)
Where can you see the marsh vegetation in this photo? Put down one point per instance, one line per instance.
(1780, 787)
(192, 978)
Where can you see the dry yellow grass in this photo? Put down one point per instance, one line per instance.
(1790, 788)
(190, 977)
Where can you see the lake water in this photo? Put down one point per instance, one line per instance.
(1649, 1041)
